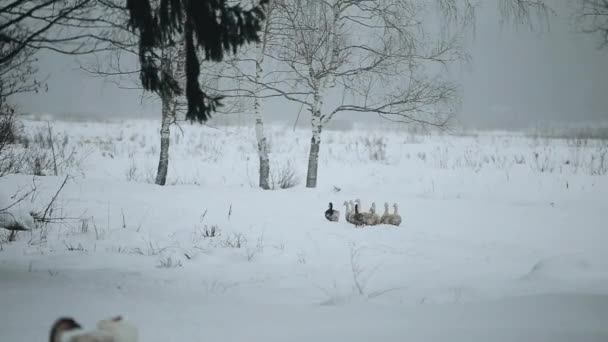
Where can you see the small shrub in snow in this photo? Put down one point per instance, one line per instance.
(543, 161)
(283, 177)
(73, 248)
(598, 165)
(251, 253)
(37, 169)
(131, 172)
(5, 237)
(151, 249)
(301, 257)
(84, 226)
(442, 157)
(376, 148)
(210, 231)
(8, 127)
(259, 248)
(234, 240)
(168, 262)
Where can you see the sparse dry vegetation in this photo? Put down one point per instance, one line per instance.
(283, 176)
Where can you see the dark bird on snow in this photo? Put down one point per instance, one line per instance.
(331, 214)
(358, 219)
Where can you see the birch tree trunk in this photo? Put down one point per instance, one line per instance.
(315, 142)
(313, 156)
(165, 134)
(165, 131)
(259, 128)
(259, 118)
(262, 147)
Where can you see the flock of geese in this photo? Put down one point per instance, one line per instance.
(370, 218)
(115, 329)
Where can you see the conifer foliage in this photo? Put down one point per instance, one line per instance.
(209, 27)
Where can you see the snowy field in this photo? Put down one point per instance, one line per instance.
(504, 237)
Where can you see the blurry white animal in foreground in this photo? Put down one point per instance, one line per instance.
(112, 330)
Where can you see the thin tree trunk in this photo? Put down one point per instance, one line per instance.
(259, 118)
(165, 131)
(313, 156)
(260, 136)
(165, 134)
(262, 148)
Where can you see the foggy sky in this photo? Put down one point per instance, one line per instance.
(517, 78)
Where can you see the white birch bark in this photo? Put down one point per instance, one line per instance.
(165, 131)
(315, 141)
(259, 117)
(169, 106)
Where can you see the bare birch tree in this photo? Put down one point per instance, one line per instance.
(261, 48)
(376, 55)
(248, 71)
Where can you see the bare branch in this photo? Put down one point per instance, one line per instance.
(593, 18)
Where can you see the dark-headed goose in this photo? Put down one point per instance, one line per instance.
(66, 329)
(331, 214)
(358, 219)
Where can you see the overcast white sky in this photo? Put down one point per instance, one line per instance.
(517, 78)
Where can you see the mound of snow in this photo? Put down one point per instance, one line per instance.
(16, 220)
(563, 266)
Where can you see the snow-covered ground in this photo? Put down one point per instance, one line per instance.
(503, 237)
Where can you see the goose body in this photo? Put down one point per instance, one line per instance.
(358, 219)
(395, 219)
(385, 218)
(347, 214)
(331, 214)
(351, 210)
(113, 330)
(373, 218)
(366, 217)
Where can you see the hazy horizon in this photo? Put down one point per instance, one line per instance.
(517, 78)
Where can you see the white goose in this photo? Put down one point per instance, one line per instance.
(351, 209)
(395, 218)
(373, 218)
(385, 218)
(347, 213)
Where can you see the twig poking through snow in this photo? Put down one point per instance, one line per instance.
(48, 208)
(124, 222)
(52, 143)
